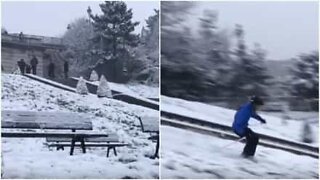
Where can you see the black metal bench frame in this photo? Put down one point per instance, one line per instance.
(153, 138)
(75, 136)
(109, 145)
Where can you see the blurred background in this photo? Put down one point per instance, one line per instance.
(223, 52)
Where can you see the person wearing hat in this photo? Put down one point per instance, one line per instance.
(240, 124)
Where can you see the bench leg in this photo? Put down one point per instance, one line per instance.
(73, 142)
(156, 154)
(115, 151)
(108, 150)
(83, 146)
(60, 147)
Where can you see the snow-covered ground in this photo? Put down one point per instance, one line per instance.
(134, 89)
(30, 158)
(275, 126)
(186, 154)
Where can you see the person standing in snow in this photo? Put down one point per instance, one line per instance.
(51, 70)
(28, 68)
(22, 65)
(240, 124)
(34, 63)
(66, 69)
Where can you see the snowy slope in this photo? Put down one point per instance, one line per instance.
(30, 158)
(186, 154)
(274, 127)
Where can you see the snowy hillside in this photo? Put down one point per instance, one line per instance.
(30, 158)
(186, 154)
(274, 127)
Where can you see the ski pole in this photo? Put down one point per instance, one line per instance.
(233, 142)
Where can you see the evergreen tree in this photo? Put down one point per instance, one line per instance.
(103, 88)
(250, 76)
(114, 28)
(145, 66)
(78, 39)
(215, 49)
(305, 81)
(94, 76)
(82, 86)
(307, 133)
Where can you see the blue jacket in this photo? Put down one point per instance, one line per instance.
(242, 117)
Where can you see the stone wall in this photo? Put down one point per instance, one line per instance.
(11, 55)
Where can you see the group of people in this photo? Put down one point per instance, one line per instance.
(27, 68)
(32, 67)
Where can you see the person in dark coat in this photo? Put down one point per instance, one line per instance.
(22, 65)
(240, 124)
(51, 70)
(34, 63)
(28, 68)
(66, 69)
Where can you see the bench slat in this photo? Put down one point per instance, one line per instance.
(50, 134)
(110, 138)
(90, 145)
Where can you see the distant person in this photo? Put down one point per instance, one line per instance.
(28, 68)
(21, 36)
(66, 69)
(34, 63)
(51, 70)
(240, 124)
(22, 65)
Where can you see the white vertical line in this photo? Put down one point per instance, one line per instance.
(160, 140)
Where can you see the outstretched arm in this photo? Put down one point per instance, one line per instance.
(257, 117)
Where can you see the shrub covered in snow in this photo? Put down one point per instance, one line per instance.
(82, 87)
(307, 133)
(103, 88)
(94, 76)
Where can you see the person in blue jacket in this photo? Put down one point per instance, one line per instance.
(240, 124)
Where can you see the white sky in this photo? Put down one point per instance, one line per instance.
(51, 18)
(284, 29)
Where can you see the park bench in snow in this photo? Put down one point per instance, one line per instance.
(27, 120)
(111, 142)
(151, 125)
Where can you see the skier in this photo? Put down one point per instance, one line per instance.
(240, 124)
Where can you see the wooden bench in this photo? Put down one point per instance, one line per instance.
(111, 142)
(151, 125)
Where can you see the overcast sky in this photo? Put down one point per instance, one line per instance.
(284, 29)
(51, 18)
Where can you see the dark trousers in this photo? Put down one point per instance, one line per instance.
(252, 140)
(66, 74)
(22, 68)
(34, 69)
